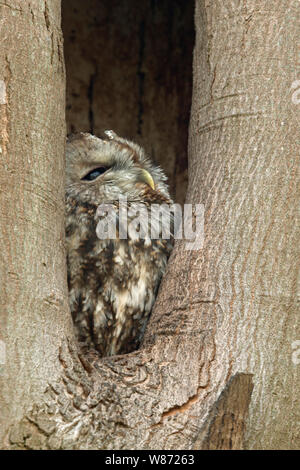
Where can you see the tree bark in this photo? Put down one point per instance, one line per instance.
(34, 314)
(216, 369)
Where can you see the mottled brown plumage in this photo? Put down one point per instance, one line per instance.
(112, 282)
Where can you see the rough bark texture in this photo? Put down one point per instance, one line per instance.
(33, 307)
(216, 368)
(129, 69)
(244, 165)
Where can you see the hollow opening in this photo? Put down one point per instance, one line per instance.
(129, 68)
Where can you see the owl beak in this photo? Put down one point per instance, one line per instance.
(145, 177)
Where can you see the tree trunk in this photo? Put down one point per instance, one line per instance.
(216, 370)
(34, 314)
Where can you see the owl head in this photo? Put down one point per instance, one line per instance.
(102, 170)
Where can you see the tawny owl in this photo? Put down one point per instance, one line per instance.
(113, 281)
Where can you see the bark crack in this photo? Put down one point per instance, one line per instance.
(2, 4)
(46, 15)
(182, 408)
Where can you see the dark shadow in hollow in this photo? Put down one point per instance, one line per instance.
(129, 68)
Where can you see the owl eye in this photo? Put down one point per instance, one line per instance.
(92, 175)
